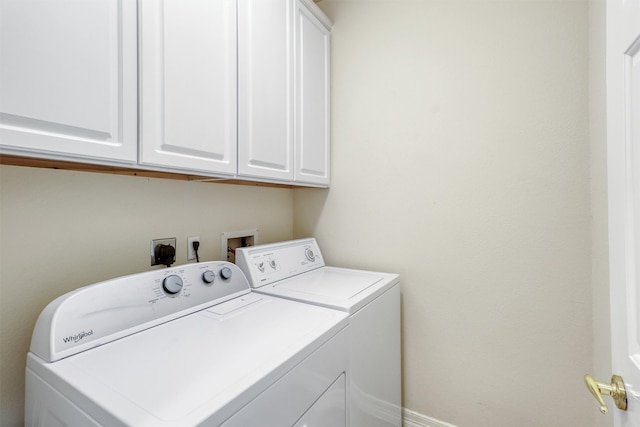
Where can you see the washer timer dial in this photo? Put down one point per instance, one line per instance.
(172, 284)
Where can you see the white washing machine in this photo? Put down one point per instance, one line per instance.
(296, 270)
(186, 346)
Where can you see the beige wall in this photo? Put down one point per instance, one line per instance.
(60, 230)
(467, 124)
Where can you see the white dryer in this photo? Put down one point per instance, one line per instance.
(186, 346)
(296, 270)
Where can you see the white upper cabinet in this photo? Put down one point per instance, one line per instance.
(221, 88)
(283, 89)
(188, 78)
(265, 88)
(312, 70)
(68, 79)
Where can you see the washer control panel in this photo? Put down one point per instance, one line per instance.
(195, 284)
(266, 264)
(102, 312)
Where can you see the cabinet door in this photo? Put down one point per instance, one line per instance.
(265, 88)
(312, 129)
(188, 80)
(68, 79)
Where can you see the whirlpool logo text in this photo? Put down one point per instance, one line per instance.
(76, 338)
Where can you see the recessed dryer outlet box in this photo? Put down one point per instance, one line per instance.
(156, 244)
(231, 240)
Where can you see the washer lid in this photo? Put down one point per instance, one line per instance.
(339, 288)
(199, 368)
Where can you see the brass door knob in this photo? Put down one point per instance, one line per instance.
(615, 389)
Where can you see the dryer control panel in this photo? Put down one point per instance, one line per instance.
(96, 314)
(266, 264)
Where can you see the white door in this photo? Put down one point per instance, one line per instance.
(623, 141)
(188, 84)
(265, 89)
(312, 129)
(68, 79)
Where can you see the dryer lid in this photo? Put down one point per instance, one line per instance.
(339, 288)
(341, 284)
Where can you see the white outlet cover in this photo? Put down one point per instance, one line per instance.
(191, 253)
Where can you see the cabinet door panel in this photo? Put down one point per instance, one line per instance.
(68, 78)
(265, 88)
(312, 99)
(188, 78)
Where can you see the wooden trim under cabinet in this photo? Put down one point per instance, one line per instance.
(117, 170)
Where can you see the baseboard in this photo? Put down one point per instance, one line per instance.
(415, 419)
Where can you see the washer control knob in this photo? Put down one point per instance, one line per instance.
(226, 273)
(208, 277)
(172, 284)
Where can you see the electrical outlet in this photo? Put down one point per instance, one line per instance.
(158, 246)
(191, 253)
(231, 240)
